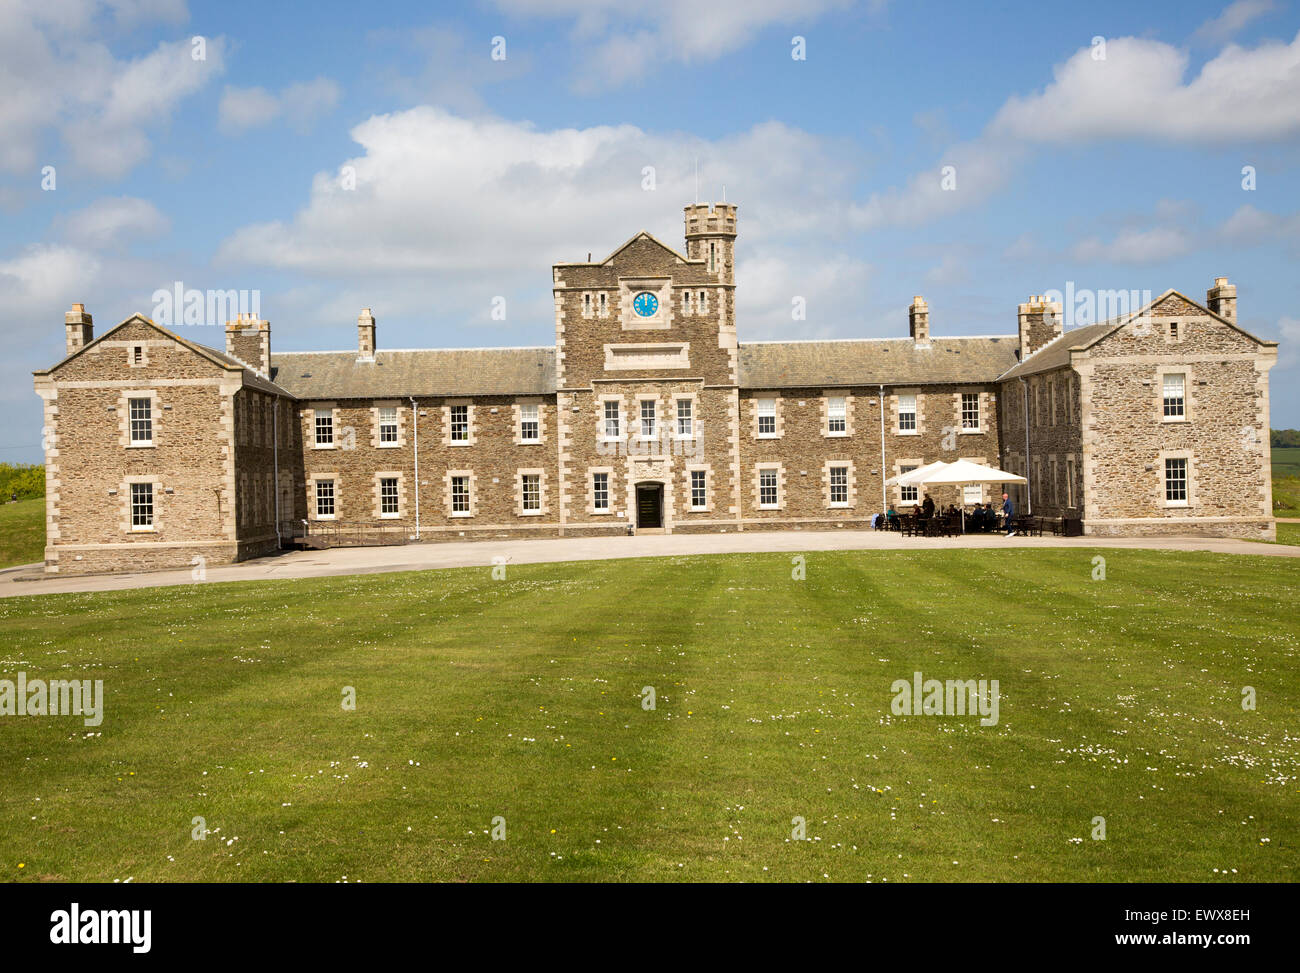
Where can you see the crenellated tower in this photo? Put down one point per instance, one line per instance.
(711, 237)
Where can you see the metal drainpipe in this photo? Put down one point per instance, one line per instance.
(415, 434)
(884, 503)
(1029, 493)
(275, 465)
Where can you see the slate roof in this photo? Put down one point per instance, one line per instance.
(1056, 353)
(885, 361)
(251, 377)
(399, 374)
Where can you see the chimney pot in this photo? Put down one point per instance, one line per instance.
(78, 328)
(918, 316)
(1222, 299)
(366, 335)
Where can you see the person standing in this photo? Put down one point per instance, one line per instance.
(1008, 514)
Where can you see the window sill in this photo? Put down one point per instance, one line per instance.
(971, 432)
(769, 506)
(390, 516)
(323, 446)
(699, 510)
(325, 516)
(600, 513)
(1177, 504)
(907, 432)
(529, 442)
(531, 513)
(148, 445)
(1174, 419)
(836, 435)
(459, 514)
(459, 442)
(767, 435)
(840, 506)
(144, 530)
(387, 445)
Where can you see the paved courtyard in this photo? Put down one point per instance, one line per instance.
(30, 580)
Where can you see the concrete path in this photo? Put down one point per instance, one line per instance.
(29, 579)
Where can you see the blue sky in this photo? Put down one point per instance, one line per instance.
(1114, 164)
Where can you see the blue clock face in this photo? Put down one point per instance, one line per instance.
(645, 304)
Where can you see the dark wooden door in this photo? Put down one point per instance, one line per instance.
(649, 506)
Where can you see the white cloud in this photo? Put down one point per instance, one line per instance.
(628, 39)
(300, 104)
(243, 108)
(108, 222)
(1288, 339)
(436, 191)
(43, 275)
(951, 269)
(1139, 91)
(1133, 246)
(59, 76)
(449, 211)
(1233, 20)
(1249, 225)
(980, 168)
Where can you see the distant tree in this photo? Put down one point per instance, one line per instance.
(25, 480)
(1284, 437)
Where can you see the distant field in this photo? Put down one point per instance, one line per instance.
(1286, 481)
(1286, 461)
(519, 703)
(22, 532)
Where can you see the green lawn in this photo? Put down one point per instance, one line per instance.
(22, 532)
(1288, 534)
(522, 698)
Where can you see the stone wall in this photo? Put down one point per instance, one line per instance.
(1054, 465)
(1223, 436)
(803, 449)
(90, 461)
(493, 458)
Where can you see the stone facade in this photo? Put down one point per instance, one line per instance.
(647, 414)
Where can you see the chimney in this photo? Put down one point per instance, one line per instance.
(1222, 299)
(918, 316)
(1040, 323)
(78, 327)
(248, 338)
(366, 335)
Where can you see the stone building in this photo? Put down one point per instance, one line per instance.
(647, 414)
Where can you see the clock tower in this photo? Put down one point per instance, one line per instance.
(646, 371)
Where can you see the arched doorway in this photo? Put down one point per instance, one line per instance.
(649, 506)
